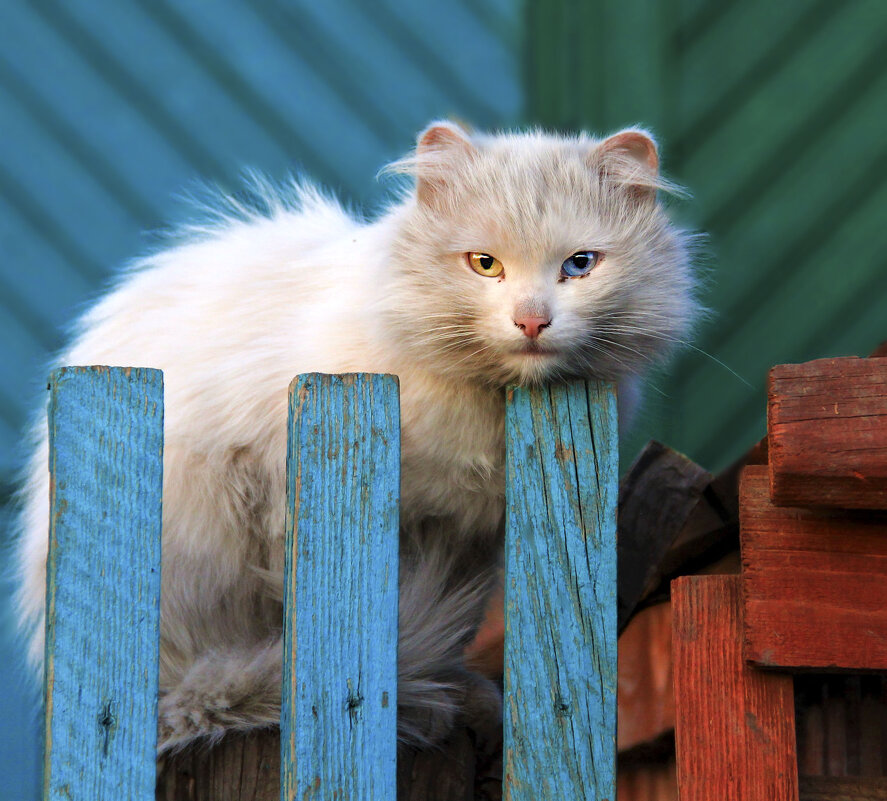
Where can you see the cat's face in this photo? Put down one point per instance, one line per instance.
(526, 258)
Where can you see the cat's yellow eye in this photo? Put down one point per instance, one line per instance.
(484, 264)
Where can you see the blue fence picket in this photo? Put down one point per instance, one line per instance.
(338, 725)
(103, 583)
(560, 593)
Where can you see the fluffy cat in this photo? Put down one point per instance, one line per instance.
(515, 258)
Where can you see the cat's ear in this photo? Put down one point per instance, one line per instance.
(631, 156)
(636, 144)
(443, 136)
(439, 149)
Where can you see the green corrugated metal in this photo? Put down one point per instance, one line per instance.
(773, 115)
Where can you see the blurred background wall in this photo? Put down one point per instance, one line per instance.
(773, 115)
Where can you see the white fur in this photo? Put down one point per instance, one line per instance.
(239, 308)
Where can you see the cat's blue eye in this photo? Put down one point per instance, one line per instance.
(580, 263)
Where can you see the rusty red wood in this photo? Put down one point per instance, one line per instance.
(735, 725)
(814, 583)
(827, 425)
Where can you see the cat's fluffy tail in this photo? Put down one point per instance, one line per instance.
(238, 690)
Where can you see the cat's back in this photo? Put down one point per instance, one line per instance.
(222, 311)
(220, 286)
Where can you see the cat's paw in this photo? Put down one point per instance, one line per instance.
(237, 691)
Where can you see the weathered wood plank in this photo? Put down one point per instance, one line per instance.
(645, 709)
(814, 583)
(827, 425)
(708, 542)
(560, 592)
(656, 497)
(341, 598)
(735, 729)
(246, 767)
(648, 780)
(843, 788)
(841, 724)
(103, 583)
(242, 767)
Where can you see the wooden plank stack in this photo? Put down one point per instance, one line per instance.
(811, 594)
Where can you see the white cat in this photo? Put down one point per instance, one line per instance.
(517, 258)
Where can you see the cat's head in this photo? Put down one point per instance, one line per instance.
(529, 257)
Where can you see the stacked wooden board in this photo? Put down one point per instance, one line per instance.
(811, 594)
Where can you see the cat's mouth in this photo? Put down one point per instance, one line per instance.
(534, 349)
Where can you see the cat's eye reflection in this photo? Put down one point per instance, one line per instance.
(484, 264)
(580, 263)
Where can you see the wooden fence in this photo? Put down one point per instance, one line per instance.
(338, 725)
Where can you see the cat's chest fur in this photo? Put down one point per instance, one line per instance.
(453, 453)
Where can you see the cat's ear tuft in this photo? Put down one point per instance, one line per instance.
(443, 136)
(631, 159)
(440, 149)
(636, 144)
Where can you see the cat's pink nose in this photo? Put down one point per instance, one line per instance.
(532, 326)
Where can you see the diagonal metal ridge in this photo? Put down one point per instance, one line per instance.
(11, 414)
(811, 129)
(711, 13)
(719, 114)
(20, 309)
(752, 409)
(296, 30)
(47, 229)
(496, 24)
(67, 138)
(275, 124)
(130, 88)
(790, 258)
(428, 61)
(782, 267)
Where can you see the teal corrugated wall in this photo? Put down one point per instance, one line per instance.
(108, 110)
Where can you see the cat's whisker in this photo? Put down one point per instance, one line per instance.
(677, 341)
(472, 354)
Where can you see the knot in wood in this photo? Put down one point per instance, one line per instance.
(107, 722)
(562, 708)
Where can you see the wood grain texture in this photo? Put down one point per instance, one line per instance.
(648, 781)
(841, 724)
(735, 726)
(560, 592)
(242, 767)
(843, 788)
(646, 686)
(827, 425)
(341, 594)
(103, 583)
(708, 542)
(246, 767)
(656, 496)
(814, 583)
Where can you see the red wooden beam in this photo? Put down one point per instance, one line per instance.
(827, 426)
(735, 725)
(814, 583)
(645, 700)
